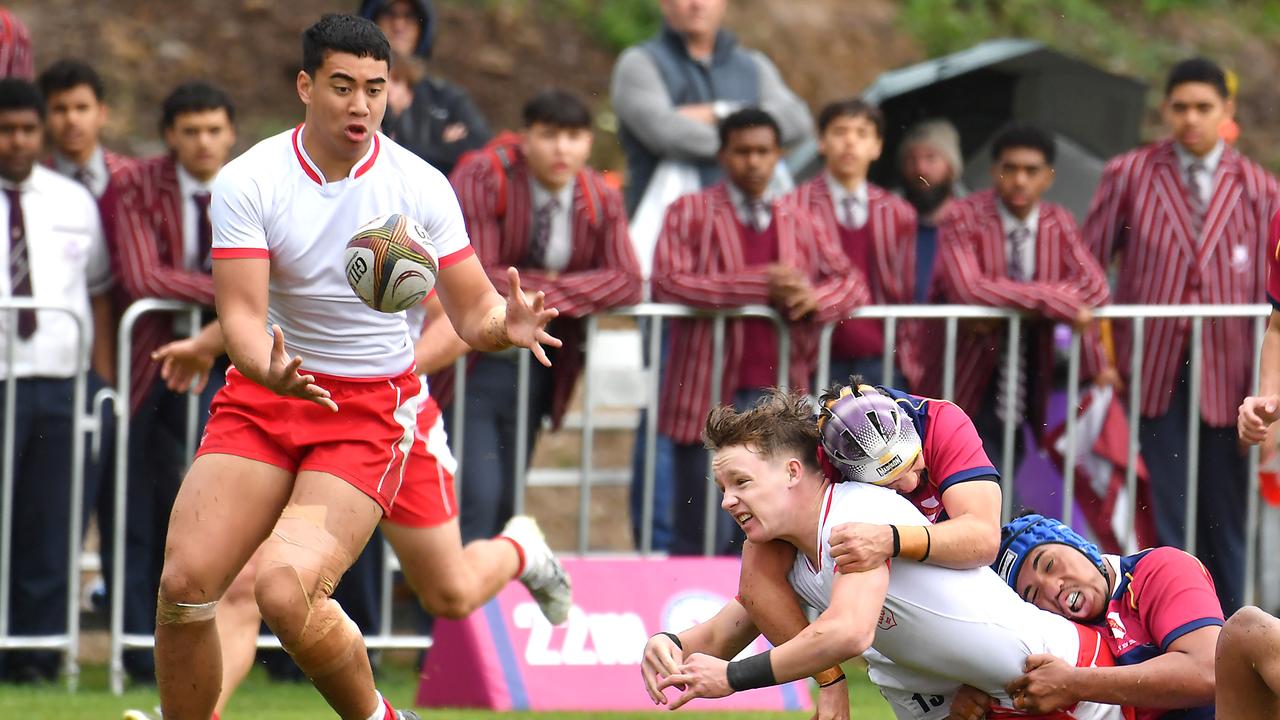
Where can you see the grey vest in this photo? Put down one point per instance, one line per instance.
(731, 75)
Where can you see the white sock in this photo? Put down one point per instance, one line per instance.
(380, 712)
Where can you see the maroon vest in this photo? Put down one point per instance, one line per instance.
(759, 368)
(858, 338)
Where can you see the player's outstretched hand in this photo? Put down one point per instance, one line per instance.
(701, 676)
(833, 702)
(970, 703)
(858, 547)
(184, 365)
(1046, 687)
(283, 377)
(527, 319)
(661, 659)
(1256, 415)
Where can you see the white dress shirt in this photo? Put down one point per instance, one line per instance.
(560, 242)
(1020, 261)
(850, 205)
(96, 175)
(1209, 178)
(188, 186)
(68, 264)
(758, 215)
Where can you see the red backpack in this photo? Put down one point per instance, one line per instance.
(502, 152)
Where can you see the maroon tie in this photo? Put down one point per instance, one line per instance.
(19, 263)
(204, 231)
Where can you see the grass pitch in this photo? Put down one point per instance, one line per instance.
(261, 699)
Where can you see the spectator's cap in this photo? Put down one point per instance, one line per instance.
(938, 134)
(866, 435)
(371, 9)
(15, 47)
(1024, 534)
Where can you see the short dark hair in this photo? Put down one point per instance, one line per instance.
(70, 73)
(19, 94)
(851, 108)
(343, 33)
(781, 421)
(745, 119)
(1201, 70)
(194, 96)
(557, 108)
(1025, 136)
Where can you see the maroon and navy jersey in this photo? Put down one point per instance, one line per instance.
(1162, 594)
(951, 447)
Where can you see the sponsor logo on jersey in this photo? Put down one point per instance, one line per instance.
(887, 620)
(1116, 625)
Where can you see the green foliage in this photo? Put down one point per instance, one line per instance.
(617, 24)
(1101, 30)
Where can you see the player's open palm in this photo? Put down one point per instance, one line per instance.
(184, 365)
(702, 676)
(661, 659)
(283, 377)
(1046, 686)
(527, 319)
(858, 547)
(1256, 415)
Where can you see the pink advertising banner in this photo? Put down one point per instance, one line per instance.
(506, 656)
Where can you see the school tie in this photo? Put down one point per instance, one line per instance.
(1020, 243)
(758, 211)
(204, 232)
(1197, 177)
(1020, 270)
(851, 207)
(19, 263)
(540, 242)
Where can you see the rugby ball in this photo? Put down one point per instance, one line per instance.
(391, 264)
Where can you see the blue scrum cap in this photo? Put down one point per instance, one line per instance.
(1024, 534)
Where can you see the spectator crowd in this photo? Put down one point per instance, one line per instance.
(705, 125)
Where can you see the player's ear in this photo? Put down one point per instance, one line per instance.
(304, 85)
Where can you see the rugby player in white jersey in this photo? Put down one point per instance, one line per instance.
(306, 445)
(924, 630)
(450, 580)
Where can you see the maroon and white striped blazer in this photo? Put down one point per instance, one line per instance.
(698, 261)
(892, 222)
(1141, 216)
(148, 262)
(972, 270)
(602, 273)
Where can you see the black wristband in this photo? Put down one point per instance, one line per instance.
(897, 541)
(829, 683)
(674, 638)
(928, 544)
(754, 672)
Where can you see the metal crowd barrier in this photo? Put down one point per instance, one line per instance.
(68, 642)
(656, 313)
(120, 640)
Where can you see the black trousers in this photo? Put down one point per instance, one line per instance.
(1220, 497)
(39, 537)
(487, 487)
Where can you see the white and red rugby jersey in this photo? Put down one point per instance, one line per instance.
(273, 202)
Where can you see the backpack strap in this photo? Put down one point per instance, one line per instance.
(592, 193)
